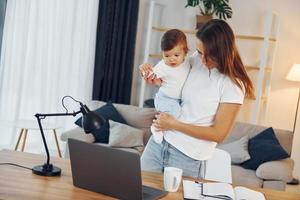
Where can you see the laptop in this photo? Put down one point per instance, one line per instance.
(109, 171)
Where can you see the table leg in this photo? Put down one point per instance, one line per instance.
(24, 140)
(57, 144)
(19, 139)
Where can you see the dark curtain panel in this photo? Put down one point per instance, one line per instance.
(116, 34)
(2, 16)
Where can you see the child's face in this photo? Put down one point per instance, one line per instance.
(175, 56)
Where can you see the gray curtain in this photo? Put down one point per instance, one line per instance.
(2, 16)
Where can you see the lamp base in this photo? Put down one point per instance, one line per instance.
(46, 170)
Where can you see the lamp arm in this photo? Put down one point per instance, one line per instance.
(40, 116)
(295, 121)
(43, 136)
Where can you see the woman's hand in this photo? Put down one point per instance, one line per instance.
(148, 75)
(164, 122)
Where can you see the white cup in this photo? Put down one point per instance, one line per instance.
(172, 178)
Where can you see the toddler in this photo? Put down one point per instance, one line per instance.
(173, 70)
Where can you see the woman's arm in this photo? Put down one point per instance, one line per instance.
(225, 118)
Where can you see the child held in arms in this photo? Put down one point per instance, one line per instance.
(173, 70)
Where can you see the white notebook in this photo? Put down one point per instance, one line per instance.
(209, 191)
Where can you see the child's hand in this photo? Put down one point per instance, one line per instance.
(146, 70)
(148, 75)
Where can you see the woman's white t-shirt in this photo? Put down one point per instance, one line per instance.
(202, 93)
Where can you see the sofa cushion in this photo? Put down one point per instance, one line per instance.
(245, 177)
(133, 150)
(238, 150)
(135, 116)
(264, 147)
(122, 135)
(78, 134)
(108, 111)
(274, 185)
(240, 129)
(276, 170)
(138, 117)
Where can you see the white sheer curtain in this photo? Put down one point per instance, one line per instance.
(48, 51)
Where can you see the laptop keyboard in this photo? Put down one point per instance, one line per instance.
(152, 193)
(146, 195)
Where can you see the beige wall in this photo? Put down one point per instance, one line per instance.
(248, 19)
(284, 94)
(281, 105)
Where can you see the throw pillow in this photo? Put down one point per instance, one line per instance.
(262, 148)
(122, 135)
(108, 111)
(135, 116)
(238, 150)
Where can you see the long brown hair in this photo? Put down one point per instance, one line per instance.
(219, 45)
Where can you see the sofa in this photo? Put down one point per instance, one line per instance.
(272, 175)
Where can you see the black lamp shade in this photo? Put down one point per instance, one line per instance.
(91, 121)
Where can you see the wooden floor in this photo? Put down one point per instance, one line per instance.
(293, 188)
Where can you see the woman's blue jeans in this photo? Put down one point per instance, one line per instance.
(158, 156)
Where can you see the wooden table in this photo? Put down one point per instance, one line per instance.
(19, 183)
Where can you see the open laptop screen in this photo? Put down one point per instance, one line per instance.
(106, 170)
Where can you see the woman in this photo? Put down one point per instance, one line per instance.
(211, 98)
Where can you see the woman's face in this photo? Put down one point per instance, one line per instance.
(206, 61)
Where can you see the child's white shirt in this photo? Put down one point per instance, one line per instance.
(173, 78)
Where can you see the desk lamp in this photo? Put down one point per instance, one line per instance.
(90, 122)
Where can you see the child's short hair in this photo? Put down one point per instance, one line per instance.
(172, 38)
